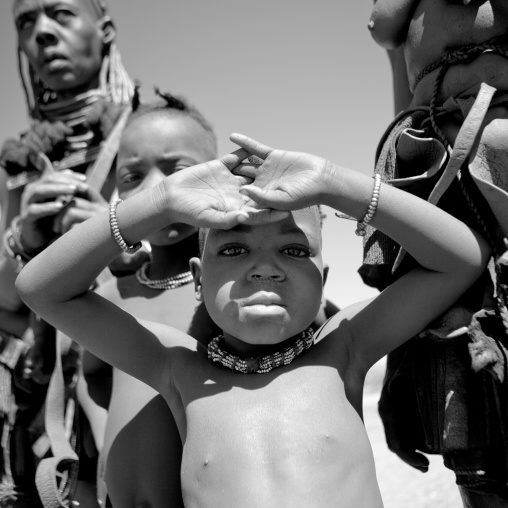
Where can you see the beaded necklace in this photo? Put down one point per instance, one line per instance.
(260, 364)
(168, 283)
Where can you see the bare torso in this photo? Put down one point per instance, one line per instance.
(438, 26)
(142, 446)
(290, 437)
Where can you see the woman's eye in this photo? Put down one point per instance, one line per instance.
(232, 251)
(61, 15)
(25, 23)
(295, 252)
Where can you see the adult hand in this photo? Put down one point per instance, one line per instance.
(285, 180)
(85, 204)
(208, 195)
(41, 201)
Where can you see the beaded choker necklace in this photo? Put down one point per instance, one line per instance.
(260, 364)
(168, 283)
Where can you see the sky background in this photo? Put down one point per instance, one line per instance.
(294, 74)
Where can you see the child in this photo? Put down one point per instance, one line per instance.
(448, 145)
(292, 436)
(142, 449)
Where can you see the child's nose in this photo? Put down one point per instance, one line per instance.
(266, 272)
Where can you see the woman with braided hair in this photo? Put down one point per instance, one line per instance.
(55, 175)
(446, 391)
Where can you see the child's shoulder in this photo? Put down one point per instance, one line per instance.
(339, 323)
(339, 330)
(116, 289)
(169, 336)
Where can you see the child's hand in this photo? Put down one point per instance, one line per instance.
(285, 180)
(208, 195)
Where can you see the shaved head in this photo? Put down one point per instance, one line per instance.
(313, 212)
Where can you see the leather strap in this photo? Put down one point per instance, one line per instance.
(53, 473)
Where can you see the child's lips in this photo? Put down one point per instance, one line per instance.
(267, 299)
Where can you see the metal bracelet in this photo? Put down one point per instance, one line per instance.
(115, 231)
(361, 226)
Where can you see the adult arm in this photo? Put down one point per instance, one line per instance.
(402, 95)
(9, 208)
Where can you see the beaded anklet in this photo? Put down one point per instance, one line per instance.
(113, 224)
(260, 364)
(360, 229)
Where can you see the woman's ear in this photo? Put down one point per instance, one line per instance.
(108, 30)
(196, 269)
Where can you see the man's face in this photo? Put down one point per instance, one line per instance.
(63, 42)
(263, 284)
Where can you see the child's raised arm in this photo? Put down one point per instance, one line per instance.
(451, 255)
(55, 284)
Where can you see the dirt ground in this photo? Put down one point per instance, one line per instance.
(401, 485)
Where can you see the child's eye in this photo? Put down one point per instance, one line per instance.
(233, 250)
(130, 178)
(296, 252)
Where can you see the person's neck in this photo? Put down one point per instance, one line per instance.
(171, 260)
(245, 350)
(63, 95)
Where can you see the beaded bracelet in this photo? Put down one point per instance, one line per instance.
(360, 229)
(113, 223)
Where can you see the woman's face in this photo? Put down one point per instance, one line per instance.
(63, 42)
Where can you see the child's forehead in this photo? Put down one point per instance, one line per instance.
(304, 223)
(166, 119)
(162, 131)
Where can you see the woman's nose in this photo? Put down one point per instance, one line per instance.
(45, 33)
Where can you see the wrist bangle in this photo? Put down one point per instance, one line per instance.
(113, 223)
(360, 229)
(16, 235)
(12, 250)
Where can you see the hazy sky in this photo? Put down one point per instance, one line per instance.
(293, 74)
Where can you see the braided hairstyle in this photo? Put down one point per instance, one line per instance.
(172, 105)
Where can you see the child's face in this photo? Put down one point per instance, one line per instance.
(154, 146)
(263, 284)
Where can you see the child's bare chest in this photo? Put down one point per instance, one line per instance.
(271, 429)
